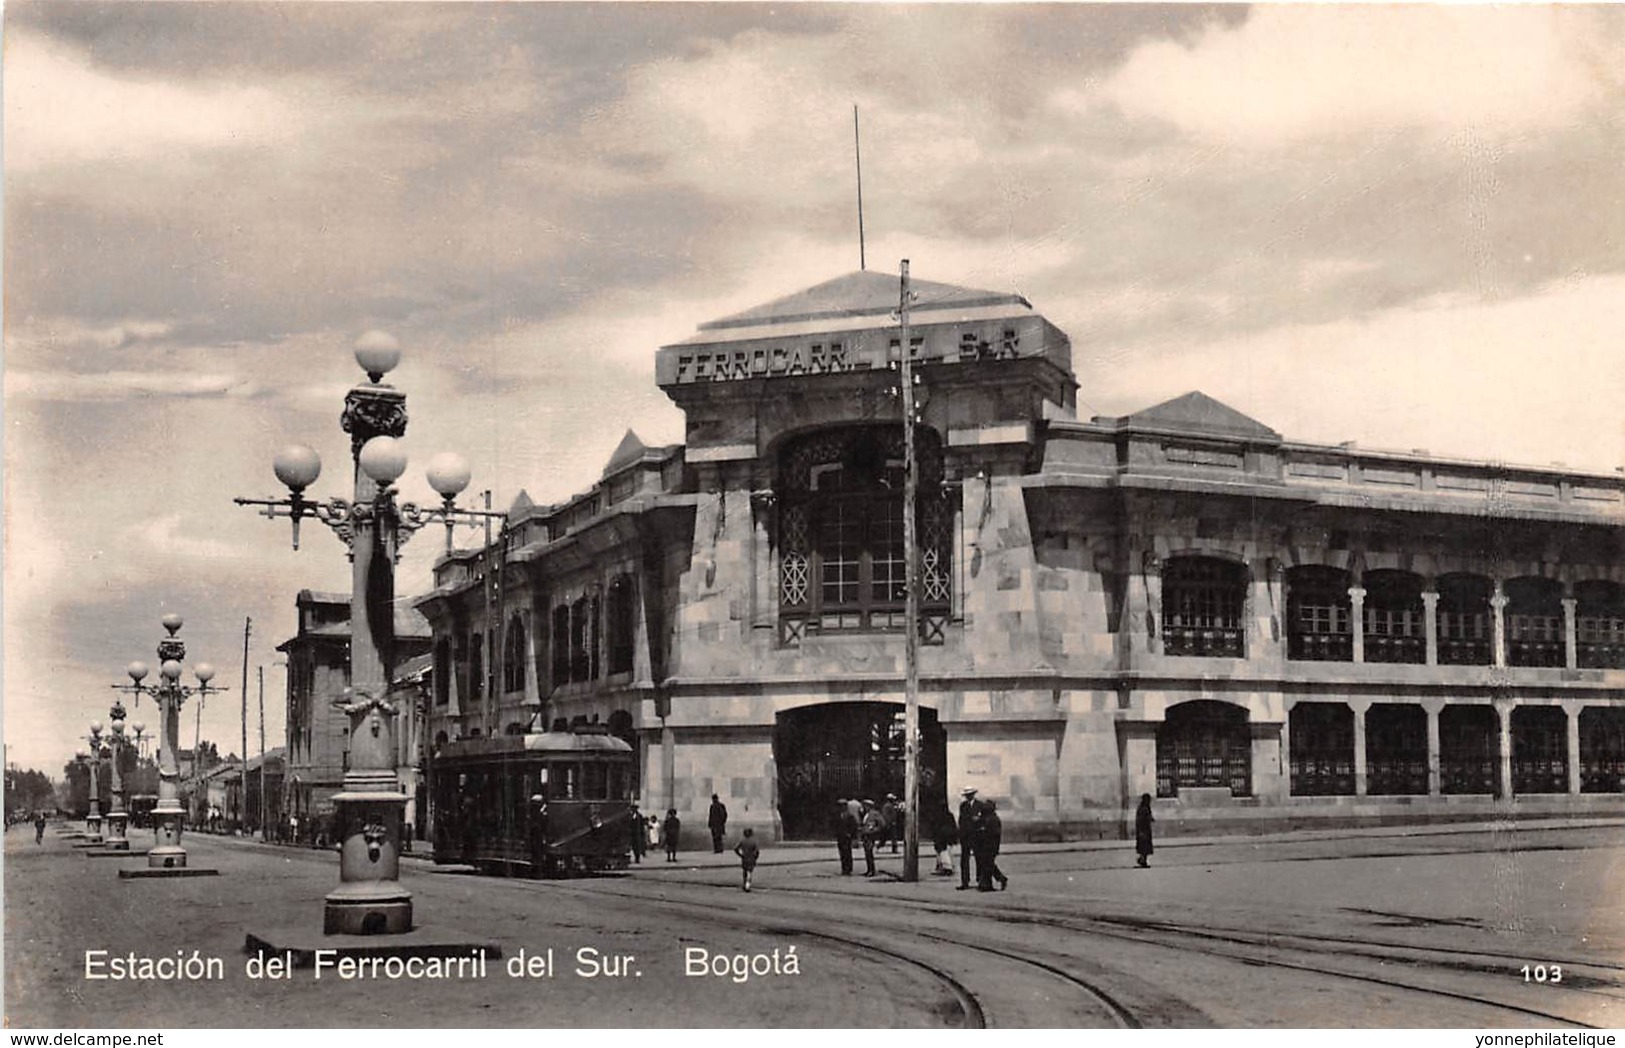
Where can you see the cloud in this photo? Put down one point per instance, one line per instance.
(60, 109)
(125, 385)
(1295, 72)
(1530, 380)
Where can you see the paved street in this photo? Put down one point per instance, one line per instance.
(1385, 928)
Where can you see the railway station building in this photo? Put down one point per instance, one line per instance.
(1258, 632)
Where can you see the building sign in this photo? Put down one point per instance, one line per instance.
(718, 363)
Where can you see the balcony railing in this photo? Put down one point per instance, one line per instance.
(1320, 647)
(1216, 641)
(1384, 648)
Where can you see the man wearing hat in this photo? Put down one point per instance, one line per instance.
(969, 834)
(874, 829)
(892, 812)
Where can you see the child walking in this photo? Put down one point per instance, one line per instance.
(748, 853)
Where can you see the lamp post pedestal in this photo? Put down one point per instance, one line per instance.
(168, 815)
(369, 899)
(93, 821)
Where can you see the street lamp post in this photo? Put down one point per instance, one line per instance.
(93, 821)
(170, 695)
(371, 806)
(116, 745)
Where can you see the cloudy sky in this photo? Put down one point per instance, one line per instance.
(1399, 226)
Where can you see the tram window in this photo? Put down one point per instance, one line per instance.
(595, 783)
(617, 782)
(566, 778)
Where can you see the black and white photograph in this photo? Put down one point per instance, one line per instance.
(813, 516)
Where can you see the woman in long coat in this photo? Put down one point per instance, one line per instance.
(1142, 830)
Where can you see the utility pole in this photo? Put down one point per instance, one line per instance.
(265, 833)
(242, 799)
(911, 612)
(857, 154)
(492, 652)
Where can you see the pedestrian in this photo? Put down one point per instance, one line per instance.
(894, 820)
(943, 838)
(671, 828)
(39, 827)
(846, 828)
(717, 820)
(872, 830)
(989, 833)
(652, 831)
(967, 834)
(1142, 831)
(640, 834)
(748, 853)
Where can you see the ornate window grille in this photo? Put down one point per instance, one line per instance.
(1599, 627)
(1318, 614)
(1204, 744)
(1534, 622)
(1321, 749)
(1202, 603)
(841, 555)
(1395, 617)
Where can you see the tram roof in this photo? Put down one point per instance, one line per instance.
(538, 742)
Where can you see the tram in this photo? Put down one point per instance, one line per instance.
(549, 804)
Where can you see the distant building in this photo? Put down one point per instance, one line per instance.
(265, 777)
(1182, 602)
(318, 747)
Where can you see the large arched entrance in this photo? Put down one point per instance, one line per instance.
(847, 750)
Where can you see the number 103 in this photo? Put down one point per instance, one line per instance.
(1542, 973)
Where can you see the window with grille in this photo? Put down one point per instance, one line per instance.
(584, 639)
(1599, 624)
(561, 645)
(1204, 744)
(1318, 614)
(1465, 630)
(1534, 622)
(513, 657)
(1202, 604)
(1395, 617)
(843, 562)
(622, 624)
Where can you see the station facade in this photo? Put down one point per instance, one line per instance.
(1257, 632)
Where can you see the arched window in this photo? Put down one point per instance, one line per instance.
(1320, 749)
(1534, 622)
(1202, 602)
(622, 624)
(560, 642)
(584, 639)
(442, 672)
(1599, 624)
(1204, 744)
(1602, 749)
(513, 656)
(1318, 614)
(476, 666)
(842, 563)
(1465, 632)
(1395, 617)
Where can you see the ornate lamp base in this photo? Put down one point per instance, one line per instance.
(378, 908)
(369, 899)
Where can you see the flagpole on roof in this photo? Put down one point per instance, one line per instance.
(857, 152)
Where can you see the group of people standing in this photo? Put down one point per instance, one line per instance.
(869, 824)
